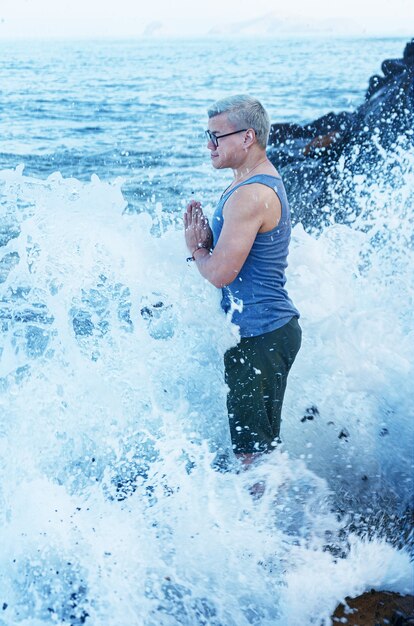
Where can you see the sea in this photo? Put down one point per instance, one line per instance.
(120, 501)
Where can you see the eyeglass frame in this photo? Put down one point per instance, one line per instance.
(214, 138)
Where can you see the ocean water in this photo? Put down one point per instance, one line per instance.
(115, 509)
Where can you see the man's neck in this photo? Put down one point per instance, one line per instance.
(250, 165)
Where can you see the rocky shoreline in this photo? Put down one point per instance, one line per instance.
(318, 160)
(376, 608)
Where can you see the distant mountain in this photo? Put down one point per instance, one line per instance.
(270, 25)
(153, 29)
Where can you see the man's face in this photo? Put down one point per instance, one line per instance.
(229, 151)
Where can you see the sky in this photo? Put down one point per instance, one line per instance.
(154, 18)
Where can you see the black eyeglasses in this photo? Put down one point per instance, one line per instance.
(214, 138)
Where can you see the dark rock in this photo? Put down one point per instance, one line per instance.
(402, 619)
(308, 156)
(310, 414)
(376, 607)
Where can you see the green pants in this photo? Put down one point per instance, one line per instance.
(256, 372)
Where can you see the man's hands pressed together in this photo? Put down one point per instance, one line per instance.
(198, 234)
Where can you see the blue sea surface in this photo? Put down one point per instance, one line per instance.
(137, 109)
(120, 501)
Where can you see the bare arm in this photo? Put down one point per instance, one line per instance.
(244, 215)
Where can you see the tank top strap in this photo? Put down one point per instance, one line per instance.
(274, 182)
(264, 179)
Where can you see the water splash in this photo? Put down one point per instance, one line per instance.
(115, 504)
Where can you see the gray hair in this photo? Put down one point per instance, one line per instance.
(244, 112)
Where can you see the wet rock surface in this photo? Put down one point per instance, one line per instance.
(312, 158)
(376, 608)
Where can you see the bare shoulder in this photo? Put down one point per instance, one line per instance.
(251, 199)
(256, 206)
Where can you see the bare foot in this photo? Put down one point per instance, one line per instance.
(257, 490)
(247, 459)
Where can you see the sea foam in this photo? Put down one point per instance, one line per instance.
(120, 500)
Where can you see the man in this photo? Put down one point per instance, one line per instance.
(244, 253)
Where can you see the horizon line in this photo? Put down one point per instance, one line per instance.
(206, 36)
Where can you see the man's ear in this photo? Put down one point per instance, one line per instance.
(249, 136)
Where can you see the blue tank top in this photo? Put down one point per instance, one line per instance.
(257, 298)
